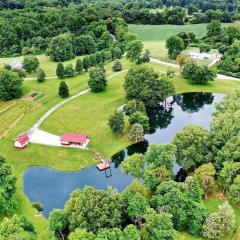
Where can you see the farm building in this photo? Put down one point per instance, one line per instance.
(21, 141)
(74, 139)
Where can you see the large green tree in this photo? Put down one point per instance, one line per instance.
(158, 226)
(97, 79)
(104, 209)
(192, 147)
(134, 51)
(175, 45)
(30, 63)
(198, 74)
(8, 201)
(16, 228)
(61, 47)
(10, 85)
(143, 84)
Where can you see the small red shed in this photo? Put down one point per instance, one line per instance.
(73, 138)
(21, 141)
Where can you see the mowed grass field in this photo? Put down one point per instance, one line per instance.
(154, 36)
(88, 114)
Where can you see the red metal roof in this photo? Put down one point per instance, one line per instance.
(73, 138)
(23, 138)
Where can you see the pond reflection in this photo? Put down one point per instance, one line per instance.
(52, 188)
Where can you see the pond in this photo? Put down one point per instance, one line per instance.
(52, 188)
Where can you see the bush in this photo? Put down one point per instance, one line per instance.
(204, 48)
(69, 72)
(37, 206)
(40, 75)
(198, 74)
(30, 63)
(117, 66)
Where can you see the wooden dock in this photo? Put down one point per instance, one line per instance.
(103, 165)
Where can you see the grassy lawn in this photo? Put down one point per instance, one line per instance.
(154, 36)
(44, 61)
(88, 114)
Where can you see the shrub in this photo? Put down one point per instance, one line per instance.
(117, 66)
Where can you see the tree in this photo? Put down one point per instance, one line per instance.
(140, 118)
(79, 66)
(204, 48)
(178, 199)
(136, 207)
(181, 60)
(117, 66)
(205, 174)
(228, 174)
(99, 57)
(131, 232)
(58, 222)
(92, 60)
(85, 44)
(8, 201)
(81, 234)
(69, 72)
(61, 48)
(175, 45)
(17, 228)
(63, 90)
(97, 79)
(143, 84)
(116, 123)
(158, 226)
(60, 70)
(134, 106)
(134, 165)
(146, 56)
(192, 147)
(234, 191)
(218, 223)
(214, 28)
(198, 74)
(86, 63)
(134, 51)
(136, 133)
(110, 234)
(40, 75)
(30, 63)
(10, 85)
(104, 206)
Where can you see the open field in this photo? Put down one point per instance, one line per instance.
(154, 36)
(89, 113)
(44, 63)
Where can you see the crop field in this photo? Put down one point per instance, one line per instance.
(154, 36)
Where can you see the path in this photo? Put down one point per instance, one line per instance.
(42, 137)
(34, 78)
(219, 76)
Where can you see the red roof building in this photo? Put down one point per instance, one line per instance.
(21, 141)
(73, 138)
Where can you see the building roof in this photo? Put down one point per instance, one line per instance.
(23, 138)
(73, 138)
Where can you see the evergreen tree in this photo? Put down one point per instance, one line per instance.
(60, 70)
(63, 90)
(86, 63)
(79, 66)
(116, 123)
(41, 75)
